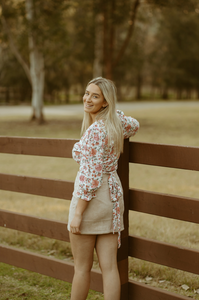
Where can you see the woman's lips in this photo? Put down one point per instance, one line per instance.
(88, 106)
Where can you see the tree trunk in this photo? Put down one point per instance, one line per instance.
(97, 65)
(133, 14)
(165, 95)
(111, 60)
(188, 93)
(106, 40)
(36, 68)
(139, 86)
(119, 93)
(108, 37)
(179, 93)
(7, 95)
(67, 96)
(37, 74)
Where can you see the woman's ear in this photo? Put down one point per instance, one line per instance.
(105, 104)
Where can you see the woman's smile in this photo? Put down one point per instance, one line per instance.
(88, 105)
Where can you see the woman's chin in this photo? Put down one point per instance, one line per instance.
(87, 110)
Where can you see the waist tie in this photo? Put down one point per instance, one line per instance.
(115, 194)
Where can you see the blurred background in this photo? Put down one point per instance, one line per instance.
(50, 49)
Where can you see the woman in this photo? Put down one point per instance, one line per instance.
(96, 210)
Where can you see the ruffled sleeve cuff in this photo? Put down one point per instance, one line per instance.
(84, 195)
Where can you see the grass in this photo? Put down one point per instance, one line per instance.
(179, 126)
(16, 283)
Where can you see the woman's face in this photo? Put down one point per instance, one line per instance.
(93, 100)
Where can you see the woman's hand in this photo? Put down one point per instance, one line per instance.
(76, 221)
(75, 224)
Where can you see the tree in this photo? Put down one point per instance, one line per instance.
(174, 59)
(134, 42)
(37, 21)
(37, 72)
(98, 47)
(114, 14)
(104, 35)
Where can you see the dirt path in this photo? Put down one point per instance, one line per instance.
(66, 110)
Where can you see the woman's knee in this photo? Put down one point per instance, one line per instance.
(108, 268)
(83, 265)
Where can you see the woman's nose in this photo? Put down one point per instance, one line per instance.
(88, 98)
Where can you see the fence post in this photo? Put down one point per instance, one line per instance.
(122, 258)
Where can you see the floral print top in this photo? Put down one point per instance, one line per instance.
(96, 158)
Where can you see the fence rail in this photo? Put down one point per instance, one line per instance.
(164, 205)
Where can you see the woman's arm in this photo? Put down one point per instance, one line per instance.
(91, 165)
(130, 125)
(90, 172)
(76, 221)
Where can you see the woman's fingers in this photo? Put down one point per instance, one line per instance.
(75, 224)
(75, 230)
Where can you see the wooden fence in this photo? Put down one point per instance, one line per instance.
(164, 205)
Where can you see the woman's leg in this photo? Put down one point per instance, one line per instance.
(82, 249)
(106, 248)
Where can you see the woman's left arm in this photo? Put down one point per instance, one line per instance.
(91, 165)
(130, 125)
(76, 221)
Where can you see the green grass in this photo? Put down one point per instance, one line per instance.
(16, 283)
(178, 126)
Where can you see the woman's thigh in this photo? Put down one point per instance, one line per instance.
(106, 248)
(82, 248)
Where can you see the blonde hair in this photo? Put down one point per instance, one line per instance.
(107, 114)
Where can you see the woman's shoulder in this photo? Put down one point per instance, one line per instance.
(96, 131)
(97, 127)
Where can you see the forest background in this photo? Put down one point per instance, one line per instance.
(50, 49)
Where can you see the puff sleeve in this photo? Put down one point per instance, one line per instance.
(91, 164)
(130, 125)
(76, 153)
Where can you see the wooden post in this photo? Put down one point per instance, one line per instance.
(123, 172)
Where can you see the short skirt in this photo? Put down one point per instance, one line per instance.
(98, 216)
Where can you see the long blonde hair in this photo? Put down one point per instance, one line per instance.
(107, 114)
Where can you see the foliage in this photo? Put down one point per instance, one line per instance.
(161, 50)
(174, 57)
